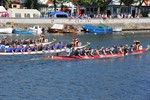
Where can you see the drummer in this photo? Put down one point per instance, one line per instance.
(75, 42)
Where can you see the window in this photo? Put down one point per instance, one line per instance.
(14, 6)
(17, 15)
(26, 15)
(35, 15)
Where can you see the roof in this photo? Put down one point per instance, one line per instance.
(2, 9)
(24, 10)
(59, 13)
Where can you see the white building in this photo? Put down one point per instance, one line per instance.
(24, 13)
(114, 8)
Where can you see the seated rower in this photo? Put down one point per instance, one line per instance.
(70, 52)
(91, 52)
(62, 45)
(9, 49)
(25, 48)
(108, 51)
(103, 50)
(77, 52)
(33, 48)
(126, 49)
(120, 49)
(97, 51)
(46, 47)
(18, 49)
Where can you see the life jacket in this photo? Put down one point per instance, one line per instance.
(9, 49)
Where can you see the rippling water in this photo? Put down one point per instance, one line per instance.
(33, 78)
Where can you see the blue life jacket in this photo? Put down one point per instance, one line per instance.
(9, 49)
(18, 49)
(32, 48)
(62, 46)
(2, 47)
(26, 48)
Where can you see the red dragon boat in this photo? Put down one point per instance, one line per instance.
(136, 52)
(86, 57)
(62, 57)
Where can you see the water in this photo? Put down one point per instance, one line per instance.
(33, 78)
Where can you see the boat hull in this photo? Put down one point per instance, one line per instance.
(86, 57)
(137, 52)
(96, 29)
(117, 29)
(98, 56)
(21, 31)
(6, 30)
(40, 52)
(33, 52)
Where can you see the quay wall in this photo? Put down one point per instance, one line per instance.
(132, 23)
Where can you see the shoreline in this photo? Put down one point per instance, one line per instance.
(132, 24)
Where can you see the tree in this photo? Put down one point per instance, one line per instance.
(120, 6)
(7, 3)
(101, 4)
(32, 4)
(55, 6)
(128, 3)
(140, 5)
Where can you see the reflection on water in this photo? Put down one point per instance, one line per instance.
(32, 78)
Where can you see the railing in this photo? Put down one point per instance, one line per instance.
(73, 21)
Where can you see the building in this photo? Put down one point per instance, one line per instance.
(114, 8)
(24, 13)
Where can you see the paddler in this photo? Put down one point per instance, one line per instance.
(9, 49)
(97, 51)
(91, 52)
(77, 52)
(18, 49)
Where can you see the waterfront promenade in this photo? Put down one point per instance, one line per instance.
(126, 23)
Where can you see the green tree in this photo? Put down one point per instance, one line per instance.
(140, 2)
(32, 4)
(128, 3)
(7, 3)
(55, 6)
(120, 6)
(101, 4)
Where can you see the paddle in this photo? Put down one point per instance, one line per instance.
(53, 40)
(88, 43)
(148, 47)
(46, 57)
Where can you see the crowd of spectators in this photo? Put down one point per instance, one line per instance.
(105, 16)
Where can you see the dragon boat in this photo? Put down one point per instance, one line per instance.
(43, 51)
(86, 57)
(136, 52)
